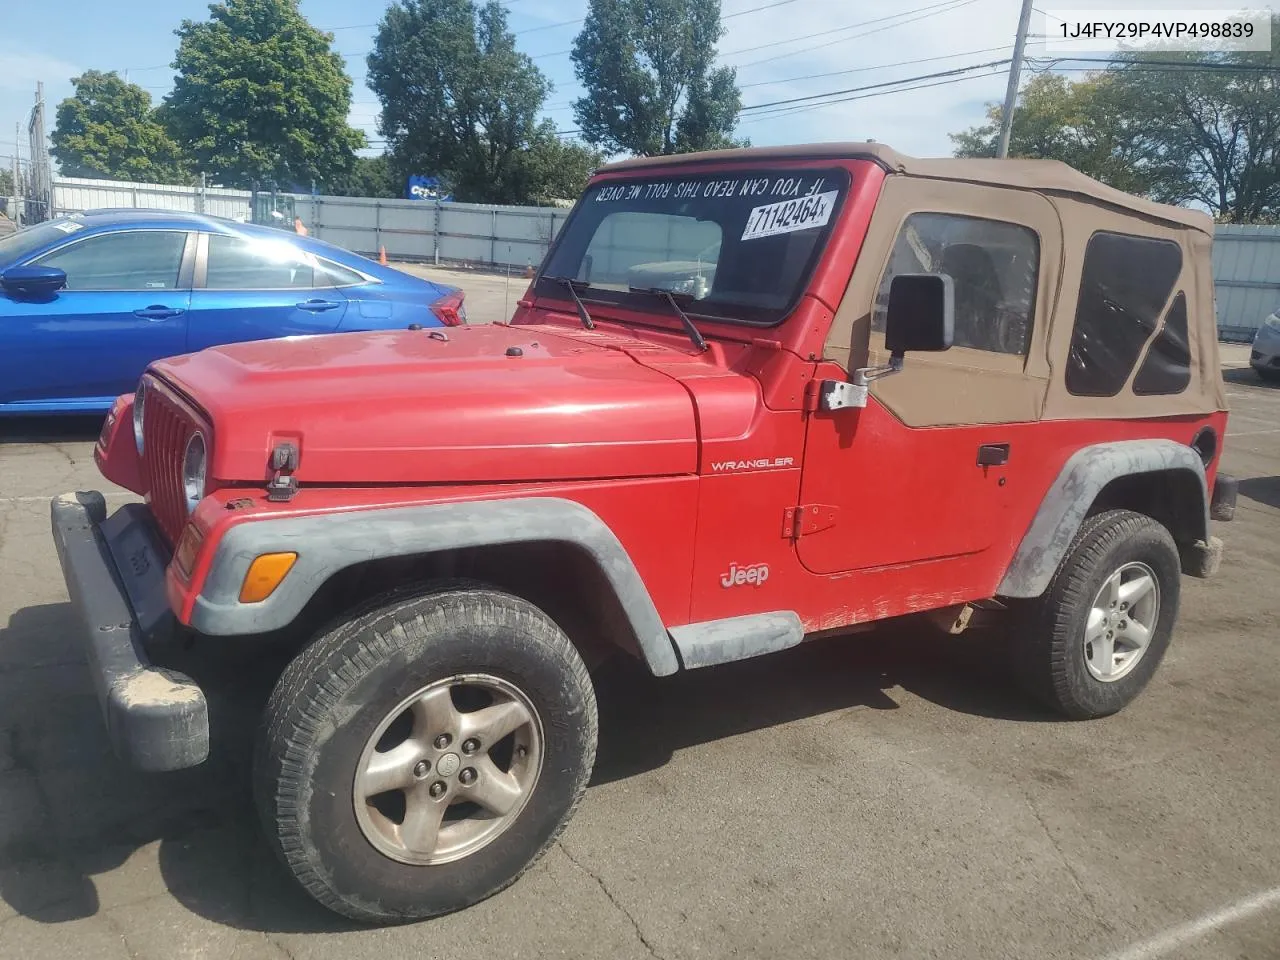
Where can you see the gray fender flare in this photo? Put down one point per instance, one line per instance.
(328, 543)
(1068, 500)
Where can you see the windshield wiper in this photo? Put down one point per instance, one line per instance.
(568, 284)
(698, 340)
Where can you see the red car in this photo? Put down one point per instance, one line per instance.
(751, 396)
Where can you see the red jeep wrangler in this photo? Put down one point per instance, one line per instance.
(696, 441)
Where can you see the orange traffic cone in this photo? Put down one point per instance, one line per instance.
(382, 255)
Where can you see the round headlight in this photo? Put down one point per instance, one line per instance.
(193, 470)
(139, 397)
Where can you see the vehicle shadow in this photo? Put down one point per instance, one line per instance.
(1247, 376)
(1265, 490)
(51, 429)
(69, 813)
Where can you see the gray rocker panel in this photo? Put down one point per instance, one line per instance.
(736, 638)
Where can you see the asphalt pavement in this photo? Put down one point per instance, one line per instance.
(886, 795)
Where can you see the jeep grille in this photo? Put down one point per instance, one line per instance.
(167, 425)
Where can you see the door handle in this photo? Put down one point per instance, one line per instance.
(319, 306)
(158, 311)
(993, 454)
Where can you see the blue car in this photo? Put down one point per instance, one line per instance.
(87, 302)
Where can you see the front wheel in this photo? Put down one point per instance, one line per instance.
(420, 757)
(1091, 643)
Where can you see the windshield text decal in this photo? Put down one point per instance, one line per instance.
(690, 189)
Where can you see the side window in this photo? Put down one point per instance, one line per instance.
(131, 260)
(994, 266)
(252, 263)
(1124, 284)
(1167, 368)
(330, 274)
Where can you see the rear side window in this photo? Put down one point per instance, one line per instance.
(1125, 284)
(254, 263)
(330, 274)
(132, 260)
(1167, 368)
(993, 266)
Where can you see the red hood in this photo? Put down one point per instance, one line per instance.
(490, 403)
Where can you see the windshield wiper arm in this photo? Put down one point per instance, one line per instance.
(568, 284)
(698, 340)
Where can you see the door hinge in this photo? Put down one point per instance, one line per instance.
(807, 518)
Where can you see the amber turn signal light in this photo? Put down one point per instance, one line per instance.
(265, 574)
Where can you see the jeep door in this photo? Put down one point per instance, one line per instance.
(926, 471)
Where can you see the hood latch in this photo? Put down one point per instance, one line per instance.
(283, 486)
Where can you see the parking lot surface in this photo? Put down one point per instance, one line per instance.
(886, 795)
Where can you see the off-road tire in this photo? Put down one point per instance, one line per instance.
(333, 695)
(1049, 646)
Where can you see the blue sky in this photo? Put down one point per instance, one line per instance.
(792, 48)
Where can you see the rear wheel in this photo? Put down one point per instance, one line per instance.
(1094, 639)
(420, 757)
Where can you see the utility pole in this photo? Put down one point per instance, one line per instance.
(17, 172)
(1015, 73)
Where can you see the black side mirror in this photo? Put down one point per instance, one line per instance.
(33, 281)
(921, 313)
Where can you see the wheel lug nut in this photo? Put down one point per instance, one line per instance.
(420, 769)
(467, 776)
(437, 790)
(470, 745)
(443, 741)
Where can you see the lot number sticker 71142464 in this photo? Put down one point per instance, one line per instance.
(787, 216)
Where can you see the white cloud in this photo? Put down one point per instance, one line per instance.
(22, 70)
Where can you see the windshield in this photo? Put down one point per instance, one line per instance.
(737, 247)
(15, 247)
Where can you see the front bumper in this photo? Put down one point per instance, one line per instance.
(157, 719)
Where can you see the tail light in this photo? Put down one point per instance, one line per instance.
(450, 310)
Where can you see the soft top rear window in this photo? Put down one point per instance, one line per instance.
(734, 246)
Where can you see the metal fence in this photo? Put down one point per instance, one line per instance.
(473, 233)
(1246, 259)
(1246, 274)
(76, 195)
(476, 233)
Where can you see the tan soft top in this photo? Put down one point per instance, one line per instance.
(1044, 176)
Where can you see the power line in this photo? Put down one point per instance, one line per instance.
(924, 13)
(1189, 66)
(878, 86)
(830, 31)
(881, 66)
(570, 23)
(787, 111)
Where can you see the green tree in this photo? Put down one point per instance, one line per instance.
(6, 183)
(459, 102)
(647, 66)
(1086, 124)
(1200, 128)
(368, 177)
(260, 96)
(558, 169)
(108, 129)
